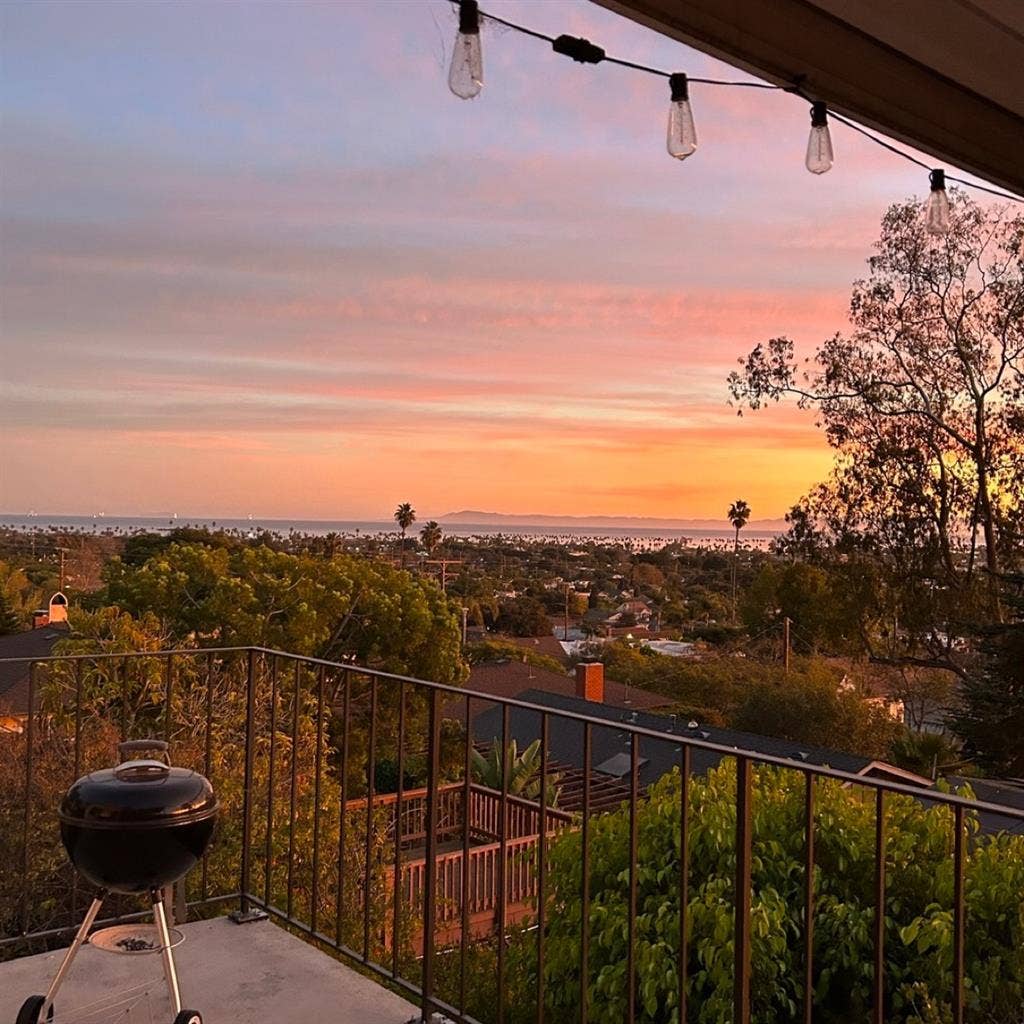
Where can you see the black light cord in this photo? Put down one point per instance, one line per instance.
(586, 52)
(646, 69)
(920, 163)
(515, 28)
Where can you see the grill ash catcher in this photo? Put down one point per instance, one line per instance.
(132, 829)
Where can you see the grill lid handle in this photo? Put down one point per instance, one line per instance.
(131, 746)
(142, 770)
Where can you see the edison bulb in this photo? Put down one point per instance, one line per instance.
(936, 211)
(682, 134)
(820, 156)
(466, 74)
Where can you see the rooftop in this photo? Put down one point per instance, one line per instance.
(33, 643)
(242, 974)
(512, 678)
(659, 757)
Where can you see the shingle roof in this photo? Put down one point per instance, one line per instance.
(547, 645)
(510, 678)
(34, 643)
(657, 757)
(1008, 792)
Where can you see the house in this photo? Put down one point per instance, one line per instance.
(635, 612)
(634, 615)
(510, 679)
(14, 675)
(54, 614)
(611, 745)
(1008, 792)
(549, 646)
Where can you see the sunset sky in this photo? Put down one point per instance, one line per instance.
(257, 258)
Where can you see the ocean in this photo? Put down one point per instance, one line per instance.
(644, 536)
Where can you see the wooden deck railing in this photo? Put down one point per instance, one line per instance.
(522, 815)
(484, 878)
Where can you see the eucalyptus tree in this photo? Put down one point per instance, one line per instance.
(922, 400)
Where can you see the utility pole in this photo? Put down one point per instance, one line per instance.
(63, 552)
(444, 563)
(465, 624)
(785, 644)
(565, 635)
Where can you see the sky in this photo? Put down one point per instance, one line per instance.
(256, 258)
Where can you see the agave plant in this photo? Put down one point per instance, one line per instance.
(521, 769)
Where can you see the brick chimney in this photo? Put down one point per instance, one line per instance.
(590, 681)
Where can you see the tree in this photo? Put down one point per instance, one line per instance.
(809, 709)
(739, 513)
(523, 616)
(19, 592)
(208, 694)
(405, 516)
(923, 402)
(930, 754)
(522, 770)
(494, 650)
(991, 716)
(345, 608)
(822, 606)
(431, 536)
(9, 621)
(918, 946)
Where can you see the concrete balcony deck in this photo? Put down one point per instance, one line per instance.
(231, 974)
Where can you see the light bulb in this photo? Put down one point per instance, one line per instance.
(819, 143)
(466, 74)
(936, 211)
(682, 135)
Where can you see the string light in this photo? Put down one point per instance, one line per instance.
(682, 135)
(936, 211)
(466, 74)
(819, 143)
(583, 51)
(466, 80)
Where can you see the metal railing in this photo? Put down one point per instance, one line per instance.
(297, 748)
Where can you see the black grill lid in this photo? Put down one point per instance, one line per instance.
(139, 793)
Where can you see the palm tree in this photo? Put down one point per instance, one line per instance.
(431, 536)
(739, 513)
(523, 771)
(405, 516)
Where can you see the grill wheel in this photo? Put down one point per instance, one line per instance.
(29, 1012)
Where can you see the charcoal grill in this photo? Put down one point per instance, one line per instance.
(134, 829)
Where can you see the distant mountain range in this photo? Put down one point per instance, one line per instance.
(474, 516)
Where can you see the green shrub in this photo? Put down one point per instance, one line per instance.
(918, 915)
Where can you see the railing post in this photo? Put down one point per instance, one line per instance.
(631, 906)
(30, 742)
(430, 877)
(684, 875)
(878, 995)
(809, 899)
(246, 912)
(741, 969)
(958, 915)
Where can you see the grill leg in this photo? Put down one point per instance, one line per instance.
(160, 918)
(69, 956)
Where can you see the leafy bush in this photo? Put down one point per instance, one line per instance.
(491, 650)
(918, 915)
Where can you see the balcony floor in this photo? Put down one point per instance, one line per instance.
(231, 974)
